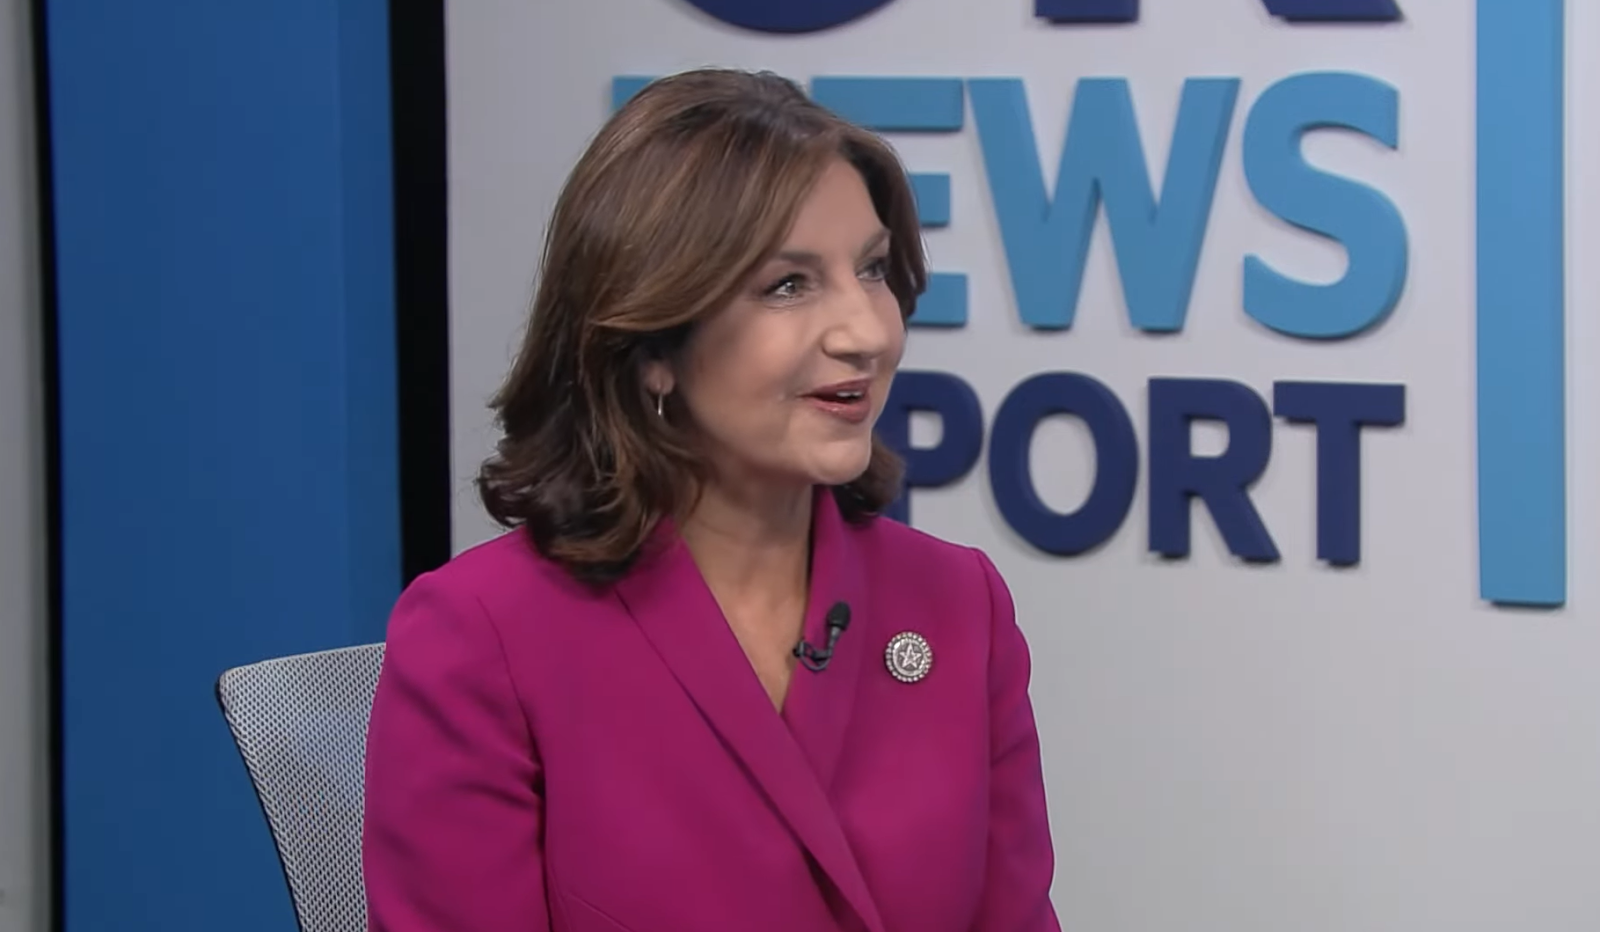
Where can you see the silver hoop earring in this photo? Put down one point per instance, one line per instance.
(661, 401)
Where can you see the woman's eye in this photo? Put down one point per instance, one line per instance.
(876, 270)
(790, 286)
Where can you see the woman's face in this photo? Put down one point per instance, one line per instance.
(786, 382)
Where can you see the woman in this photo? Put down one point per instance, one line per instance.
(701, 686)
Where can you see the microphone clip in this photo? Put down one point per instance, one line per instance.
(815, 660)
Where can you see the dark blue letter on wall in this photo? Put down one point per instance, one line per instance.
(1116, 470)
(816, 15)
(961, 432)
(1295, 11)
(228, 476)
(787, 15)
(1339, 410)
(1222, 482)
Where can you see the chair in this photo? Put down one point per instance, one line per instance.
(301, 726)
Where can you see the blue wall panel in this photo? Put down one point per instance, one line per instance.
(222, 204)
(1521, 270)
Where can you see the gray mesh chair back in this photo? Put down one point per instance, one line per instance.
(301, 725)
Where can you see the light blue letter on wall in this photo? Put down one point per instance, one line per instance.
(1363, 220)
(1157, 244)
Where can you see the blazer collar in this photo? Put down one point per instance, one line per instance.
(793, 765)
(819, 705)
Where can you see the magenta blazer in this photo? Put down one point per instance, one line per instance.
(546, 756)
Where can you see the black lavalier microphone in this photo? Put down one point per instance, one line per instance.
(817, 660)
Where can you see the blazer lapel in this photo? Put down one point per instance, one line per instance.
(819, 705)
(669, 600)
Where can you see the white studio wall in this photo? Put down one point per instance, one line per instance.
(1405, 740)
(24, 770)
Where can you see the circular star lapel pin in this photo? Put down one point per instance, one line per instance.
(908, 657)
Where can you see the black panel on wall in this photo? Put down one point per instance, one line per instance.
(422, 325)
(45, 201)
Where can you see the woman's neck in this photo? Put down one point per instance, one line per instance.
(752, 548)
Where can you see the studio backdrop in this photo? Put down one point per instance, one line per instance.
(1254, 357)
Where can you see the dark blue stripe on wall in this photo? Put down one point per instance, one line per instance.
(1522, 478)
(221, 195)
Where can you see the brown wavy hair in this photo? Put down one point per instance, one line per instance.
(687, 190)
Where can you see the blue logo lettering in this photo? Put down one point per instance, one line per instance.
(1157, 238)
(795, 16)
(1357, 216)
(787, 15)
(1157, 243)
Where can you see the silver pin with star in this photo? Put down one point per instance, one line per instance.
(908, 657)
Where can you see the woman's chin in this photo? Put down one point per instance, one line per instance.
(840, 470)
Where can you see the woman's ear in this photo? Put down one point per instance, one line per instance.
(658, 380)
